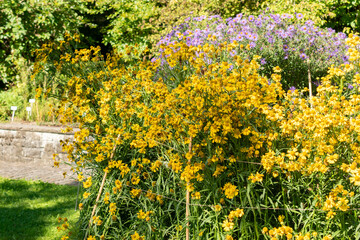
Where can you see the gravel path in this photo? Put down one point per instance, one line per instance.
(32, 171)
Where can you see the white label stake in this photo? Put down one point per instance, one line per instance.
(28, 109)
(31, 101)
(13, 108)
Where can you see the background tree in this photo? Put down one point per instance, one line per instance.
(26, 25)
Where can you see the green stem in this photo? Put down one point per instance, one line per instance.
(253, 210)
(341, 85)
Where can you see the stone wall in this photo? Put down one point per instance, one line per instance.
(31, 143)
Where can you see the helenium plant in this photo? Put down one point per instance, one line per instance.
(302, 51)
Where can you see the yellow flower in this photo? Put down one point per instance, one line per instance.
(135, 193)
(236, 214)
(277, 69)
(256, 178)
(87, 183)
(112, 208)
(64, 237)
(281, 219)
(217, 208)
(136, 236)
(227, 225)
(230, 190)
(196, 195)
(86, 195)
(229, 237)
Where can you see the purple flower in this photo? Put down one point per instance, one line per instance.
(292, 89)
(258, 23)
(283, 34)
(309, 23)
(271, 40)
(243, 22)
(251, 18)
(286, 16)
(299, 15)
(291, 28)
(252, 44)
(345, 58)
(317, 83)
(304, 28)
(276, 18)
(350, 86)
(303, 56)
(341, 35)
(233, 53)
(262, 61)
(337, 43)
(239, 38)
(270, 26)
(230, 31)
(254, 37)
(220, 26)
(239, 15)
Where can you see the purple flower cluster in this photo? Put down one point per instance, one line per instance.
(262, 31)
(278, 39)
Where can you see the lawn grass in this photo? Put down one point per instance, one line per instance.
(29, 209)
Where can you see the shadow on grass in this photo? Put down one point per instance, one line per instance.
(27, 209)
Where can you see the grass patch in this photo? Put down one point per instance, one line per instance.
(29, 209)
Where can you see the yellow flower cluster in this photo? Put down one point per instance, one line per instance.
(337, 200)
(136, 236)
(256, 178)
(197, 117)
(230, 190)
(228, 224)
(88, 182)
(112, 208)
(144, 215)
(276, 233)
(97, 220)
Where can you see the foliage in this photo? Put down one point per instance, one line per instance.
(30, 209)
(339, 15)
(143, 22)
(124, 21)
(343, 15)
(257, 162)
(25, 25)
(315, 10)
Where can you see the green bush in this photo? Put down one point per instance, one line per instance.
(339, 15)
(25, 25)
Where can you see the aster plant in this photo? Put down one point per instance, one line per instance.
(303, 51)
